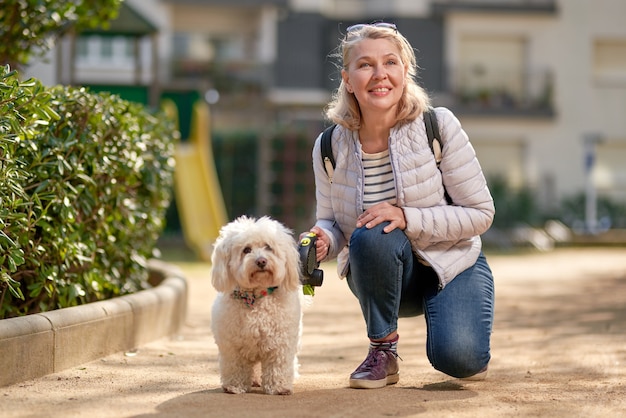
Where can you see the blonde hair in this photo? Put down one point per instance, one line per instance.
(343, 108)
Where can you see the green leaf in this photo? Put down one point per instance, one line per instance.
(14, 287)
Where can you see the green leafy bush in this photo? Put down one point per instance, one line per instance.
(612, 212)
(85, 181)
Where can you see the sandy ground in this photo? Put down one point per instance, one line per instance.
(559, 350)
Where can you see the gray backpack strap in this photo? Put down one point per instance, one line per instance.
(434, 142)
(327, 152)
(432, 132)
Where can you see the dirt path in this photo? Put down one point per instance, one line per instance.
(559, 350)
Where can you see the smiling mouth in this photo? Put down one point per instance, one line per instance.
(380, 90)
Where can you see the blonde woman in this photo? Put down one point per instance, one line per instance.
(403, 249)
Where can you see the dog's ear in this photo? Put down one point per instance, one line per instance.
(221, 278)
(293, 269)
(289, 249)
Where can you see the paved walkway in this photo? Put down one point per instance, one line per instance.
(559, 350)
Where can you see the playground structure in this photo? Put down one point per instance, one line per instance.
(199, 197)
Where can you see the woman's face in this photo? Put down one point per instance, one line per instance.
(375, 74)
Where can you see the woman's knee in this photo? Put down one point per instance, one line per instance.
(363, 240)
(375, 242)
(459, 359)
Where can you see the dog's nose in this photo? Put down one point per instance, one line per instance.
(261, 262)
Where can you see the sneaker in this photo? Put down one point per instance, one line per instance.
(379, 369)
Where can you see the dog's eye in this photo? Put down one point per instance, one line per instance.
(247, 250)
(268, 248)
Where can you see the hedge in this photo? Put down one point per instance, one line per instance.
(85, 181)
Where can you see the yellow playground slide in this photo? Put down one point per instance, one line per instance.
(198, 194)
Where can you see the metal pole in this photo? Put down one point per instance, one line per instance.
(591, 204)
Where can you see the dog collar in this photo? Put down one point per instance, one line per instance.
(249, 297)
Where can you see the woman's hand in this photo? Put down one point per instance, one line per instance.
(382, 212)
(322, 244)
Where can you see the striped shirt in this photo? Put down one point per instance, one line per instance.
(379, 182)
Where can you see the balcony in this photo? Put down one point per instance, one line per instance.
(281, 3)
(546, 7)
(231, 77)
(503, 92)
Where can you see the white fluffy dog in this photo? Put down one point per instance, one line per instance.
(257, 316)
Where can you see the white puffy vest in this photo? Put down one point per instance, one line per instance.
(445, 236)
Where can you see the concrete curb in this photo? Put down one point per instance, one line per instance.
(36, 345)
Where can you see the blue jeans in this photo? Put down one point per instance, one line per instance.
(390, 282)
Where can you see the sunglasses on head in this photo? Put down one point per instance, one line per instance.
(360, 26)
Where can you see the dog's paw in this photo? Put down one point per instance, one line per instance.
(234, 389)
(278, 391)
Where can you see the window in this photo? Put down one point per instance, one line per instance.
(202, 47)
(609, 61)
(503, 159)
(104, 51)
(491, 68)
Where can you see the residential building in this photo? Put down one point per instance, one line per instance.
(539, 85)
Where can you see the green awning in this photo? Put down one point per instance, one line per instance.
(128, 23)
